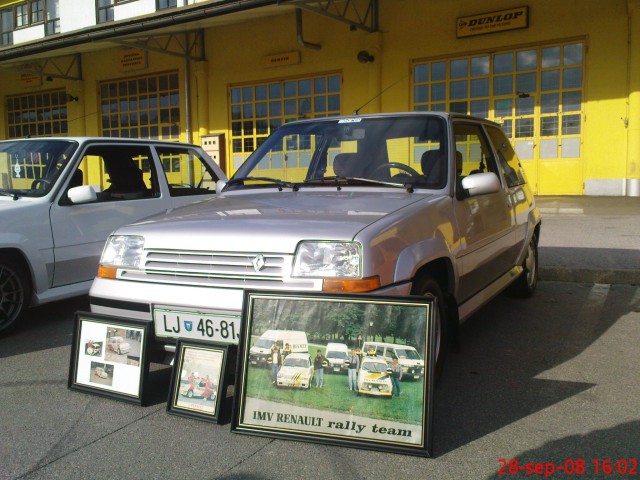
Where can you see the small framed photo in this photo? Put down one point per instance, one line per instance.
(109, 356)
(198, 380)
(350, 370)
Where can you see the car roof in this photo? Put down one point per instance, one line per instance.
(116, 140)
(441, 114)
(299, 355)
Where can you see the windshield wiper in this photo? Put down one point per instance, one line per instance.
(7, 194)
(337, 180)
(280, 183)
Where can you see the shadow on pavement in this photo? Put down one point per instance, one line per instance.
(492, 382)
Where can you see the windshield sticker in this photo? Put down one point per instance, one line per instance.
(350, 120)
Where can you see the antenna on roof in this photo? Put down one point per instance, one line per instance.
(357, 110)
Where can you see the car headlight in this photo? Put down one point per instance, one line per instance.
(328, 260)
(120, 251)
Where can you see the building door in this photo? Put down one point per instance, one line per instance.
(535, 93)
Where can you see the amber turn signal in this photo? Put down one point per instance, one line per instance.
(351, 286)
(107, 272)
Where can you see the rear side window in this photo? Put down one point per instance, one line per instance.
(507, 158)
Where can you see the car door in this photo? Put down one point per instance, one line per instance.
(126, 182)
(188, 173)
(520, 196)
(487, 233)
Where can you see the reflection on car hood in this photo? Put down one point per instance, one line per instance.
(283, 217)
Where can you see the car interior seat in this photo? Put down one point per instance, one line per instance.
(347, 165)
(434, 167)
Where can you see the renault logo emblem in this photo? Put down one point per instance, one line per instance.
(258, 263)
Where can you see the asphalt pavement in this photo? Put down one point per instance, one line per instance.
(540, 387)
(590, 239)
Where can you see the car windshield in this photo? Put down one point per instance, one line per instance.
(264, 343)
(30, 168)
(341, 355)
(407, 151)
(378, 367)
(296, 362)
(408, 353)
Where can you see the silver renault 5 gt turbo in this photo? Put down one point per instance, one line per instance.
(419, 203)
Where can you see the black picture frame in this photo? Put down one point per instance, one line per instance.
(331, 412)
(190, 394)
(109, 357)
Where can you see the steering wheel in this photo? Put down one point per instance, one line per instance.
(399, 166)
(40, 184)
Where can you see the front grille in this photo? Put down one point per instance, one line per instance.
(217, 269)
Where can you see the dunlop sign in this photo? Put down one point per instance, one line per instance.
(500, 21)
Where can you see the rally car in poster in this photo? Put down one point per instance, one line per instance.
(118, 345)
(199, 389)
(296, 371)
(374, 377)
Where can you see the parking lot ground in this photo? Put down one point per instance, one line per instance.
(548, 381)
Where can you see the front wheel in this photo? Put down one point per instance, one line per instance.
(15, 289)
(428, 286)
(527, 282)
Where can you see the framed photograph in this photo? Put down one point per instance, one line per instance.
(198, 380)
(352, 370)
(108, 356)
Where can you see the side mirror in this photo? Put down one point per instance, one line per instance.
(82, 194)
(220, 184)
(480, 184)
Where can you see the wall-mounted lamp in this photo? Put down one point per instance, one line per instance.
(523, 94)
(49, 79)
(365, 57)
(71, 98)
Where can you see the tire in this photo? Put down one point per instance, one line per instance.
(189, 393)
(527, 282)
(427, 286)
(15, 292)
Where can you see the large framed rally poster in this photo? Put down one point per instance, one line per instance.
(351, 370)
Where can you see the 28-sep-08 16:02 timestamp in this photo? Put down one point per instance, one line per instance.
(570, 466)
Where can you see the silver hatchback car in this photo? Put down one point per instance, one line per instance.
(396, 204)
(60, 198)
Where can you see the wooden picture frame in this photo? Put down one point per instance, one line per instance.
(198, 381)
(361, 407)
(109, 356)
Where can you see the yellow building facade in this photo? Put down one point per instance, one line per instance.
(561, 77)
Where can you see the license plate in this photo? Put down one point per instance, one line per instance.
(336, 369)
(198, 325)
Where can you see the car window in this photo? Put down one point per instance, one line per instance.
(507, 158)
(30, 168)
(117, 172)
(473, 154)
(187, 173)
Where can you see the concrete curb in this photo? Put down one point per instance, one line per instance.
(585, 275)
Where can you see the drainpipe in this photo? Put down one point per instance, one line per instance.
(301, 40)
(632, 185)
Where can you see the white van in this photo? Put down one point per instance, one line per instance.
(261, 350)
(408, 357)
(336, 354)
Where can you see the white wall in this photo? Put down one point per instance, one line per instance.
(75, 15)
(133, 9)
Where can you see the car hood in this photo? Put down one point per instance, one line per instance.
(292, 372)
(279, 219)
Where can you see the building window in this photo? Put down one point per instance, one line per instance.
(144, 107)
(6, 26)
(258, 109)
(38, 114)
(29, 13)
(535, 93)
(162, 4)
(53, 17)
(104, 11)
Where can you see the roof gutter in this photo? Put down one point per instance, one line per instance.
(131, 26)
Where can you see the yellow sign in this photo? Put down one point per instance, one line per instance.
(30, 80)
(288, 58)
(133, 59)
(491, 22)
